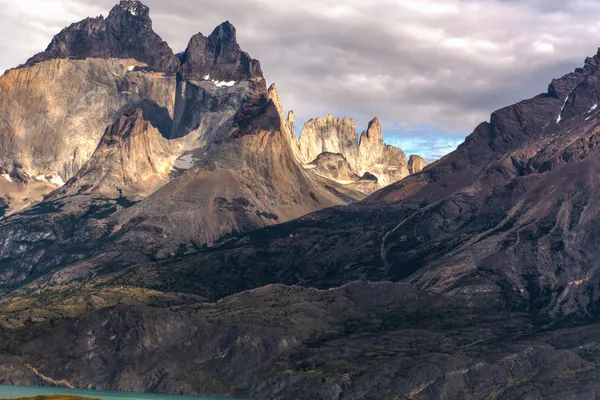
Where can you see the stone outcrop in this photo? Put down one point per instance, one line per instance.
(333, 166)
(387, 162)
(416, 164)
(369, 154)
(330, 135)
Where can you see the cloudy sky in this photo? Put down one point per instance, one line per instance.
(431, 70)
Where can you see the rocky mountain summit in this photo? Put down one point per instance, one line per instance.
(368, 155)
(125, 34)
(218, 57)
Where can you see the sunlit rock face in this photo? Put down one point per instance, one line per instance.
(388, 163)
(368, 155)
(132, 159)
(416, 164)
(330, 135)
(54, 113)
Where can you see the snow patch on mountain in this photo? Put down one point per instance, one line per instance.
(219, 83)
(185, 162)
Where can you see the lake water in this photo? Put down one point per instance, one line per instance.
(13, 392)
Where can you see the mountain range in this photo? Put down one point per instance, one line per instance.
(166, 231)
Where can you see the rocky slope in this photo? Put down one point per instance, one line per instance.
(250, 180)
(368, 155)
(362, 341)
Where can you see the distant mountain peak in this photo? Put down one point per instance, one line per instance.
(225, 32)
(133, 7)
(218, 56)
(374, 132)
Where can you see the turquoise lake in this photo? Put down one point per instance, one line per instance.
(12, 392)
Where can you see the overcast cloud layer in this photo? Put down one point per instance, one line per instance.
(431, 70)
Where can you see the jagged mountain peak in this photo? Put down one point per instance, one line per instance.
(135, 8)
(218, 57)
(374, 132)
(225, 32)
(125, 33)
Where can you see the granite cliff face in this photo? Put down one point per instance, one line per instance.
(132, 159)
(330, 135)
(368, 155)
(74, 101)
